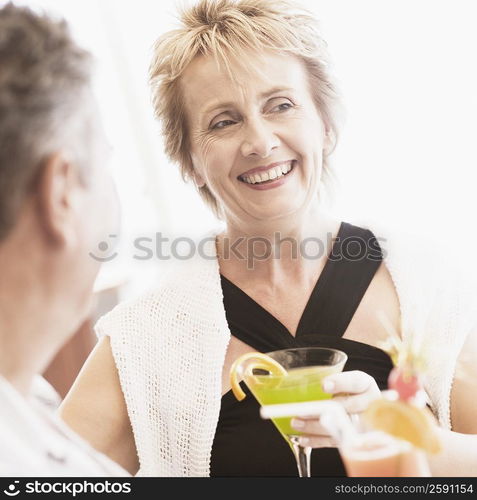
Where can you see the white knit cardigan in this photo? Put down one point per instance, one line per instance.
(169, 347)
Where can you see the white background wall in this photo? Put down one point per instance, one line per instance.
(407, 155)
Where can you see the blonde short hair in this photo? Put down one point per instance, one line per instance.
(226, 29)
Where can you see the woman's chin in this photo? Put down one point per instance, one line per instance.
(286, 197)
(275, 211)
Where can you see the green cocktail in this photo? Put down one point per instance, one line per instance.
(288, 376)
(298, 385)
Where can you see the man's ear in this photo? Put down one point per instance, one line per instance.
(56, 190)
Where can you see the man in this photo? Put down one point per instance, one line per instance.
(57, 202)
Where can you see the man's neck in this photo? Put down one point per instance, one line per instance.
(32, 318)
(26, 335)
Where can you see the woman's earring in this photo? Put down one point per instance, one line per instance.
(199, 182)
(197, 178)
(327, 143)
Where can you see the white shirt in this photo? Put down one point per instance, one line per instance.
(35, 442)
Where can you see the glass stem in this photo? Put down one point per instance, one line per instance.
(303, 457)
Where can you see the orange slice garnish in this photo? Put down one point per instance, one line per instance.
(405, 421)
(254, 360)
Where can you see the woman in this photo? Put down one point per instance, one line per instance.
(249, 112)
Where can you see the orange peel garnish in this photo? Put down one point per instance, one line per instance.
(256, 360)
(405, 421)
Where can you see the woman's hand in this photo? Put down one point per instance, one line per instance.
(354, 390)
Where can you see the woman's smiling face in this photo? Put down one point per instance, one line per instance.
(256, 141)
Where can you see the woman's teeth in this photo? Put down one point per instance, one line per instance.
(268, 175)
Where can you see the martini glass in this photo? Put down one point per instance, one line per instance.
(376, 454)
(306, 368)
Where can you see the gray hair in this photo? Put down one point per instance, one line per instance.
(44, 83)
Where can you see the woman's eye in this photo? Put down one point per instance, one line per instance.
(283, 106)
(222, 124)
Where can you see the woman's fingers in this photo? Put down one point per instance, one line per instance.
(309, 426)
(355, 390)
(357, 403)
(353, 382)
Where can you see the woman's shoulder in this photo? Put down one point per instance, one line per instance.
(419, 254)
(429, 271)
(181, 287)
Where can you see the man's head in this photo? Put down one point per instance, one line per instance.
(56, 197)
(44, 103)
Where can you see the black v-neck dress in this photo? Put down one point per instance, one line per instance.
(246, 445)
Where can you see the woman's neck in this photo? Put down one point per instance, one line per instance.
(274, 253)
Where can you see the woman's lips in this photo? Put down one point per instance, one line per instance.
(278, 165)
(271, 183)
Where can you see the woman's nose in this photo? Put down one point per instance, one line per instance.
(259, 139)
